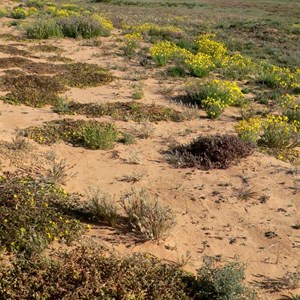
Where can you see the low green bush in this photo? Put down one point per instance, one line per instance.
(95, 273)
(29, 217)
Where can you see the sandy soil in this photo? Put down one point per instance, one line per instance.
(211, 220)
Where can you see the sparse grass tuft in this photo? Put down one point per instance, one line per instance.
(146, 215)
(102, 207)
(246, 192)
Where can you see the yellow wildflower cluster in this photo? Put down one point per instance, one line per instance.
(3, 12)
(206, 44)
(290, 107)
(237, 66)
(214, 95)
(154, 29)
(55, 12)
(166, 51)
(105, 22)
(295, 28)
(131, 42)
(211, 54)
(200, 64)
(32, 11)
(213, 107)
(19, 13)
(249, 130)
(273, 131)
(278, 77)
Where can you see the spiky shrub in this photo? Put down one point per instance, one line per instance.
(29, 218)
(73, 26)
(211, 152)
(146, 215)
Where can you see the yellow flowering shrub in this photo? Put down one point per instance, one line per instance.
(273, 131)
(227, 91)
(131, 41)
(213, 107)
(295, 28)
(280, 133)
(200, 64)
(64, 13)
(3, 12)
(30, 217)
(165, 51)
(290, 106)
(206, 44)
(105, 22)
(249, 130)
(236, 66)
(32, 11)
(19, 13)
(156, 30)
(274, 76)
(214, 95)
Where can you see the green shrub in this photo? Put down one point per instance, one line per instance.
(35, 3)
(90, 134)
(98, 136)
(44, 29)
(81, 26)
(69, 26)
(222, 283)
